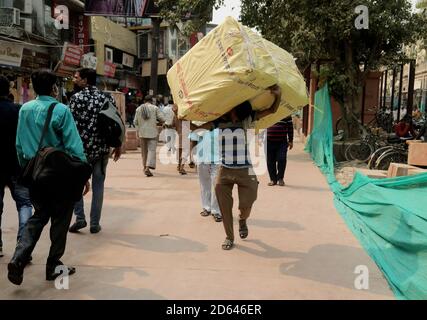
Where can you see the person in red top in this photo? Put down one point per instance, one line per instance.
(405, 128)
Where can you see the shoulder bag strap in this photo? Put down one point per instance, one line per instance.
(47, 122)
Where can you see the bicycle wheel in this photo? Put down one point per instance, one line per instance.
(392, 156)
(340, 125)
(359, 150)
(374, 157)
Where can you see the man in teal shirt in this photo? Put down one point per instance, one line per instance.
(63, 135)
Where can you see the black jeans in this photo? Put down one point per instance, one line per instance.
(276, 160)
(60, 213)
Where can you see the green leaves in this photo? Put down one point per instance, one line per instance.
(193, 13)
(321, 29)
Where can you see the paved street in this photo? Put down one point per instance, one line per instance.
(155, 245)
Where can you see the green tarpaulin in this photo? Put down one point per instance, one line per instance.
(388, 216)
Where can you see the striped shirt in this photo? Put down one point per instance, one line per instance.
(234, 143)
(283, 131)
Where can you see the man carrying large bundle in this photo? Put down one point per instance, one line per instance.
(234, 80)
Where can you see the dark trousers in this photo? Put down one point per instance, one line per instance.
(60, 213)
(276, 160)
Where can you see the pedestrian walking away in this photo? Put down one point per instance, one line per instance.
(60, 133)
(146, 118)
(85, 107)
(9, 167)
(280, 138)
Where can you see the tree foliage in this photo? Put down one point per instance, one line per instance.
(192, 13)
(323, 29)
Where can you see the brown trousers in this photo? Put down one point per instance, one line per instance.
(247, 189)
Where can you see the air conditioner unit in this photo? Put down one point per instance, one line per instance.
(27, 24)
(10, 16)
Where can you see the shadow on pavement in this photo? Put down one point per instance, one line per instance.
(335, 264)
(275, 224)
(167, 243)
(267, 251)
(88, 283)
(308, 188)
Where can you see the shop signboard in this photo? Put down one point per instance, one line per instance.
(72, 54)
(11, 53)
(109, 69)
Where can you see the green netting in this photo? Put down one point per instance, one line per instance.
(388, 216)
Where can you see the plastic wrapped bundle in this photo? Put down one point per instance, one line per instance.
(230, 65)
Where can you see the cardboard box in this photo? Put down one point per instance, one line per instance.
(401, 169)
(417, 155)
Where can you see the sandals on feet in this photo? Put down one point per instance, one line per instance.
(243, 229)
(217, 217)
(228, 244)
(205, 213)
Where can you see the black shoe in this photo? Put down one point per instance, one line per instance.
(29, 261)
(79, 224)
(16, 272)
(1, 252)
(52, 275)
(95, 229)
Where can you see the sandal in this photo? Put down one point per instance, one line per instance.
(205, 213)
(243, 229)
(228, 244)
(148, 173)
(217, 217)
(272, 183)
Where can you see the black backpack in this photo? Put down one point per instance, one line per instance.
(53, 174)
(110, 125)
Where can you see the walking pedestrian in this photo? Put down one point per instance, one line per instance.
(146, 118)
(208, 163)
(170, 132)
(130, 112)
(61, 134)
(9, 167)
(183, 141)
(280, 138)
(236, 165)
(85, 107)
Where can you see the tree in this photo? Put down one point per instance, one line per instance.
(193, 13)
(325, 30)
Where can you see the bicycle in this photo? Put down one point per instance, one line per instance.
(397, 154)
(362, 150)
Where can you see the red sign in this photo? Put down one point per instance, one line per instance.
(81, 32)
(72, 54)
(109, 69)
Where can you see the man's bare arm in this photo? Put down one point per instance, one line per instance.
(277, 92)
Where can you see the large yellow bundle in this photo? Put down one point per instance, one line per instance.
(230, 65)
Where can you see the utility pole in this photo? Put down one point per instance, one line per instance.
(156, 21)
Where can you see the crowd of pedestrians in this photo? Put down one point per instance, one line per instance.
(219, 148)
